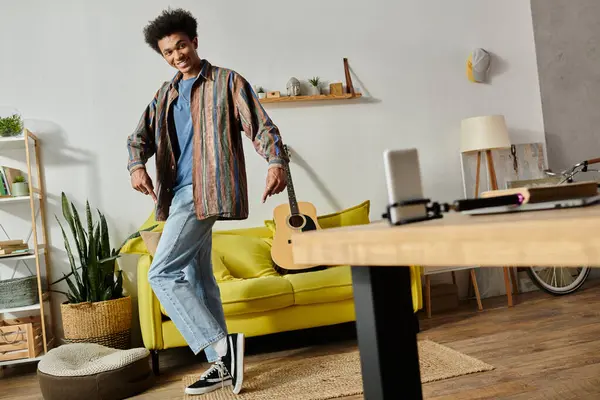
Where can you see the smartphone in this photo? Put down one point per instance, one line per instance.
(403, 182)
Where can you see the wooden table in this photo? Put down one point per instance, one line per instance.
(387, 337)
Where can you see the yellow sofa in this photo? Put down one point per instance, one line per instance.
(256, 299)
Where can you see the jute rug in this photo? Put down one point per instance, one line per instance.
(303, 376)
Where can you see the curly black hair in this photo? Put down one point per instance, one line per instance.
(169, 22)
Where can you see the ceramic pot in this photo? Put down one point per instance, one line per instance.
(314, 90)
(20, 189)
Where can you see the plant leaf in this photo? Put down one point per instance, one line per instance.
(105, 242)
(135, 235)
(90, 223)
(107, 272)
(59, 291)
(80, 235)
(66, 210)
(92, 271)
(105, 269)
(71, 259)
(63, 278)
(74, 293)
(83, 251)
(107, 293)
(118, 291)
(110, 258)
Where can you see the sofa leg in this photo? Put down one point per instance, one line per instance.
(154, 355)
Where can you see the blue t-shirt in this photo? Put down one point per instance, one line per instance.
(185, 133)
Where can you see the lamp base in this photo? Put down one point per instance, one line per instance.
(509, 273)
(491, 171)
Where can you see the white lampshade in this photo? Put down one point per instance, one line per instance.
(484, 133)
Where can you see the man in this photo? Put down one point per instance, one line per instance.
(192, 126)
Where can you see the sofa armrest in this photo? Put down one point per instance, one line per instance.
(148, 307)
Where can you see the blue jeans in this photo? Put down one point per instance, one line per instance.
(182, 278)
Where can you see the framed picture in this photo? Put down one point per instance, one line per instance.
(549, 181)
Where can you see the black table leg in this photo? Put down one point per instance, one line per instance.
(387, 334)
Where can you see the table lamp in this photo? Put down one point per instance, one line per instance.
(485, 133)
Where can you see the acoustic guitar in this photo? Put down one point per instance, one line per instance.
(290, 218)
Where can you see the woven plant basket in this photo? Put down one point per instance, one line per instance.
(105, 322)
(18, 292)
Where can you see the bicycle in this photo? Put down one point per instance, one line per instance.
(571, 279)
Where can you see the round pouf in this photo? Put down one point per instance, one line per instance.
(91, 371)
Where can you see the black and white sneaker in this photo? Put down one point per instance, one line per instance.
(217, 376)
(234, 360)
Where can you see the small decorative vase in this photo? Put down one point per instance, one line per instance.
(314, 90)
(262, 95)
(20, 189)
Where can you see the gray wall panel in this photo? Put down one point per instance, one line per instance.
(567, 37)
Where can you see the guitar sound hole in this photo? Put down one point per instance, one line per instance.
(296, 221)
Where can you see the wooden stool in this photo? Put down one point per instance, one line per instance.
(512, 271)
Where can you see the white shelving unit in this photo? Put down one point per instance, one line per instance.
(29, 143)
(21, 361)
(25, 308)
(20, 199)
(12, 143)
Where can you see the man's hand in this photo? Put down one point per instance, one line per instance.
(140, 181)
(276, 182)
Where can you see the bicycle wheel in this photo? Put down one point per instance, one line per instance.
(558, 280)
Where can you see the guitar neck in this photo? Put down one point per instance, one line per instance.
(290, 190)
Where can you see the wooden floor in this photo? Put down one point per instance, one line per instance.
(543, 348)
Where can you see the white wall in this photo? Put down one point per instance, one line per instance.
(82, 74)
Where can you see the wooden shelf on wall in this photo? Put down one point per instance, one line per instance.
(320, 97)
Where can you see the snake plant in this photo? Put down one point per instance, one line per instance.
(99, 279)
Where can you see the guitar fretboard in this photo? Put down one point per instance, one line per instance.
(290, 186)
(291, 194)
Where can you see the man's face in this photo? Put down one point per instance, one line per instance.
(180, 51)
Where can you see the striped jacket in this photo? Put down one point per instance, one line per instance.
(223, 104)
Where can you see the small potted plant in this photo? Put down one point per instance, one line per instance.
(20, 186)
(11, 124)
(314, 89)
(261, 93)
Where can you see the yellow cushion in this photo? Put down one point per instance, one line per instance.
(254, 295)
(137, 245)
(357, 215)
(245, 256)
(329, 285)
(220, 271)
(151, 240)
